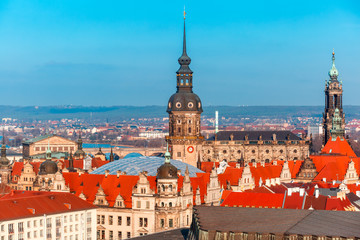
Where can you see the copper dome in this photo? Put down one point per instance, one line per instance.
(48, 167)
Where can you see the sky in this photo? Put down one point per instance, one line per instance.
(88, 52)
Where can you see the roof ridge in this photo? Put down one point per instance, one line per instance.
(301, 220)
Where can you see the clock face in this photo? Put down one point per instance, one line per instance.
(190, 149)
(190, 105)
(178, 105)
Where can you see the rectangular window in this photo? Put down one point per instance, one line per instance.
(48, 233)
(119, 220)
(110, 220)
(128, 221)
(138, 204)
(119, 235)
(21, 236)
(102, 219)
(141, 222)
(128, 235)
(178, 154)
(88, 218)
(48, 222)
(11, 228)
(162, 223)
(111, 235)
(171, 224)
(147, 204)
(21, 227)
(145, 222)
(28, 224)
(35, 223)
(98, 219)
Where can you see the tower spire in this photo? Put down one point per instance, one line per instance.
(184, 60)
(333, 73)
(184, 37)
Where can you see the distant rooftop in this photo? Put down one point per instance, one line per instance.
(255, 135)
(39, 138)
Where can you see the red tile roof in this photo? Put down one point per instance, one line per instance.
(113, 185)
(339, 146)
(251, 199)
(19, 166)
(23, 204)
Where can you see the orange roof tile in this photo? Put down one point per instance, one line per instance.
(339, 146)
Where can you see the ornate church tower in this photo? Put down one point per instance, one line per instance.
(333, 102)
(184, 108)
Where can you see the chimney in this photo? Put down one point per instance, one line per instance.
(289, 191)
(302, 191)
(107, 172)
(317, 193)
(118, 173)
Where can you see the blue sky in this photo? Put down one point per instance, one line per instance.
(88, 52)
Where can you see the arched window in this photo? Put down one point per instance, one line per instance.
(170, 204)
(182, 82)
(170, 188)
(163, 188)
(189, 129)
(187, 81)
(267, 160)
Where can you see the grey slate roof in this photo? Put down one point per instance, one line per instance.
(255, 135)
(39, 138)
(176, 234)
(279, 221)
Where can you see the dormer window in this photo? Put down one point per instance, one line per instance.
(119, 202)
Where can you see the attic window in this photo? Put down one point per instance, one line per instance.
(81, 184)
(330, 151)
(118, 185)
(68, 205)
(98, 184)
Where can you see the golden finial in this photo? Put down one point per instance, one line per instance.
(184, 13)
(333, 53)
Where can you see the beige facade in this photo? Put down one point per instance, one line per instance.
(40, 144)
(233, 151)
(184, 138)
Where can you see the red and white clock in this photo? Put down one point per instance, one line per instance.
(190, 149)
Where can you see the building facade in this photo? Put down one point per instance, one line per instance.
(254, 146)
(333, 102)
(40, 144)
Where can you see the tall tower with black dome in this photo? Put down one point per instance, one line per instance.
(333, 104)
(184, 108)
